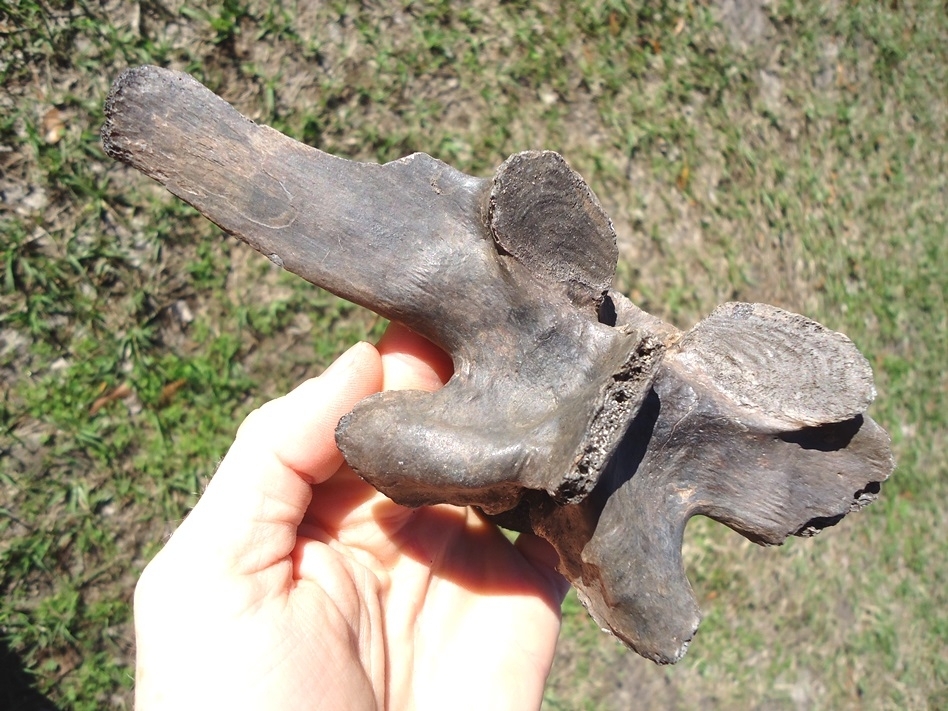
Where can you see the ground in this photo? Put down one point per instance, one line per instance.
(785, 152)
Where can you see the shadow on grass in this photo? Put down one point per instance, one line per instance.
(16, 684)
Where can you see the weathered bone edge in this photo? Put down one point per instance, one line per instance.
(572, 413)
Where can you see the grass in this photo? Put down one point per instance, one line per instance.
(793, 155)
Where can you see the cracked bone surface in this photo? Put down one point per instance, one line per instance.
(572, 413)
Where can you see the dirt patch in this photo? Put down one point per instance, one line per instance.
(746, 22)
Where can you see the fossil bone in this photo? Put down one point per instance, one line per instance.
(571, 413)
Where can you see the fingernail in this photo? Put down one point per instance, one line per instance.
(347, 360)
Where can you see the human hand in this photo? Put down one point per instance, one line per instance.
(293, 584)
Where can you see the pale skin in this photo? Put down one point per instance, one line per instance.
(293, 584)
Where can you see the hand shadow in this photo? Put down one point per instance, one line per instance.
(16, 684)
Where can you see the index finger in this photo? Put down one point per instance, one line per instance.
(411, 362)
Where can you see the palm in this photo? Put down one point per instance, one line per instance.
(466, 615)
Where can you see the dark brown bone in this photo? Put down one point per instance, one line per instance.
(571, 413)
